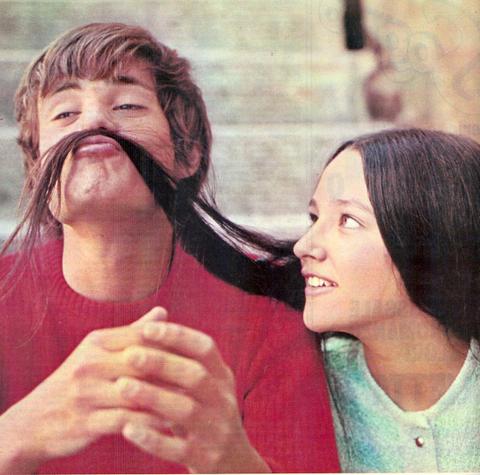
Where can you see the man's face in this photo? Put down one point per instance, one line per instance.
(98, 180)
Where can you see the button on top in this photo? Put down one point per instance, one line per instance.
(419, 441)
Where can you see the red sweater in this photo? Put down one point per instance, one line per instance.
(280, 381)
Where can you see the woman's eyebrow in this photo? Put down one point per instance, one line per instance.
(353, 201)
(342, 202)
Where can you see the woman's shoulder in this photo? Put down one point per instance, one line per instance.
(341, 351)
(341, 343)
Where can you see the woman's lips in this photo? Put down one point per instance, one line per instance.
(312, 291)
(316, 285)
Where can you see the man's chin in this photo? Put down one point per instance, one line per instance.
(97, 213)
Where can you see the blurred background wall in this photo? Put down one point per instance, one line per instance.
(281, 88)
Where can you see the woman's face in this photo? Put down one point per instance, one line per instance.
(351, 281)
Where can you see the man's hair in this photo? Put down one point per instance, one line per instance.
(94, 52)
(98, 51)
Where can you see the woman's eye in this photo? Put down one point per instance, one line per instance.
(348, 222)
(313, 217)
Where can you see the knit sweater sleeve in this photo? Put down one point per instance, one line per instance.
(286, 409)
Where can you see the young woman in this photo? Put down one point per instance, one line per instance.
(392, 270)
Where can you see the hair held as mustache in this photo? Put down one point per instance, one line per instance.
(223, 247)
(43, 178)
(160, 183)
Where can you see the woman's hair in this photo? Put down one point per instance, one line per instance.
(424, 187)
(254, 262)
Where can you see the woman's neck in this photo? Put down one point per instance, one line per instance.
(117, 261)
(413, 359)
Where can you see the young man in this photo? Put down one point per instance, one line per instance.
(119, 352)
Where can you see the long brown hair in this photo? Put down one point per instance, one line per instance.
(424, 186)
(251, 261)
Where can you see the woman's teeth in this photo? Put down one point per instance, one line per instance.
(314, 281)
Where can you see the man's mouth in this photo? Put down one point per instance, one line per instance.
(96, 145)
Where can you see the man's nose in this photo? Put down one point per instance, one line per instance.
(311, 244)
(97, 117)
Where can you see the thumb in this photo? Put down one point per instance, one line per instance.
(154, 315)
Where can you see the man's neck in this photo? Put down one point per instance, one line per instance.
(117, 261)
(413, 360)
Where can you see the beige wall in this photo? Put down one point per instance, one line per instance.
(435, 47)
(280, 88)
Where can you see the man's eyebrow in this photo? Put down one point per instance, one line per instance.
(130, 80)
(64, 86)
(121, 80)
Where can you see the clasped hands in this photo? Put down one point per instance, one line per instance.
(162, 385)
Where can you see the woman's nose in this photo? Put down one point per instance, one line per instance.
(310, 245)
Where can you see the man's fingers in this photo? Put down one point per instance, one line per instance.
(170, 368)
(113, 421)
(115, 339)
(119, 338)
(174, 406)
(173, 449)
(97, 393)
(188, 342)
(153, 315)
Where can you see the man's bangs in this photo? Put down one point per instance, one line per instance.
(85, 64)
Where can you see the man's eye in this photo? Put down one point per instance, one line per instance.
(348, 222)
(313, 217)
(128, 107)
(63, 115)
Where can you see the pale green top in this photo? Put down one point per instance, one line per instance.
(375, 435)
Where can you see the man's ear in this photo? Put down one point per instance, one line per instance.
(189, 169)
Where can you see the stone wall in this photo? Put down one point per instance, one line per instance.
(281, 89)
(434, 46)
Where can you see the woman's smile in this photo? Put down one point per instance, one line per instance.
(345, 263)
